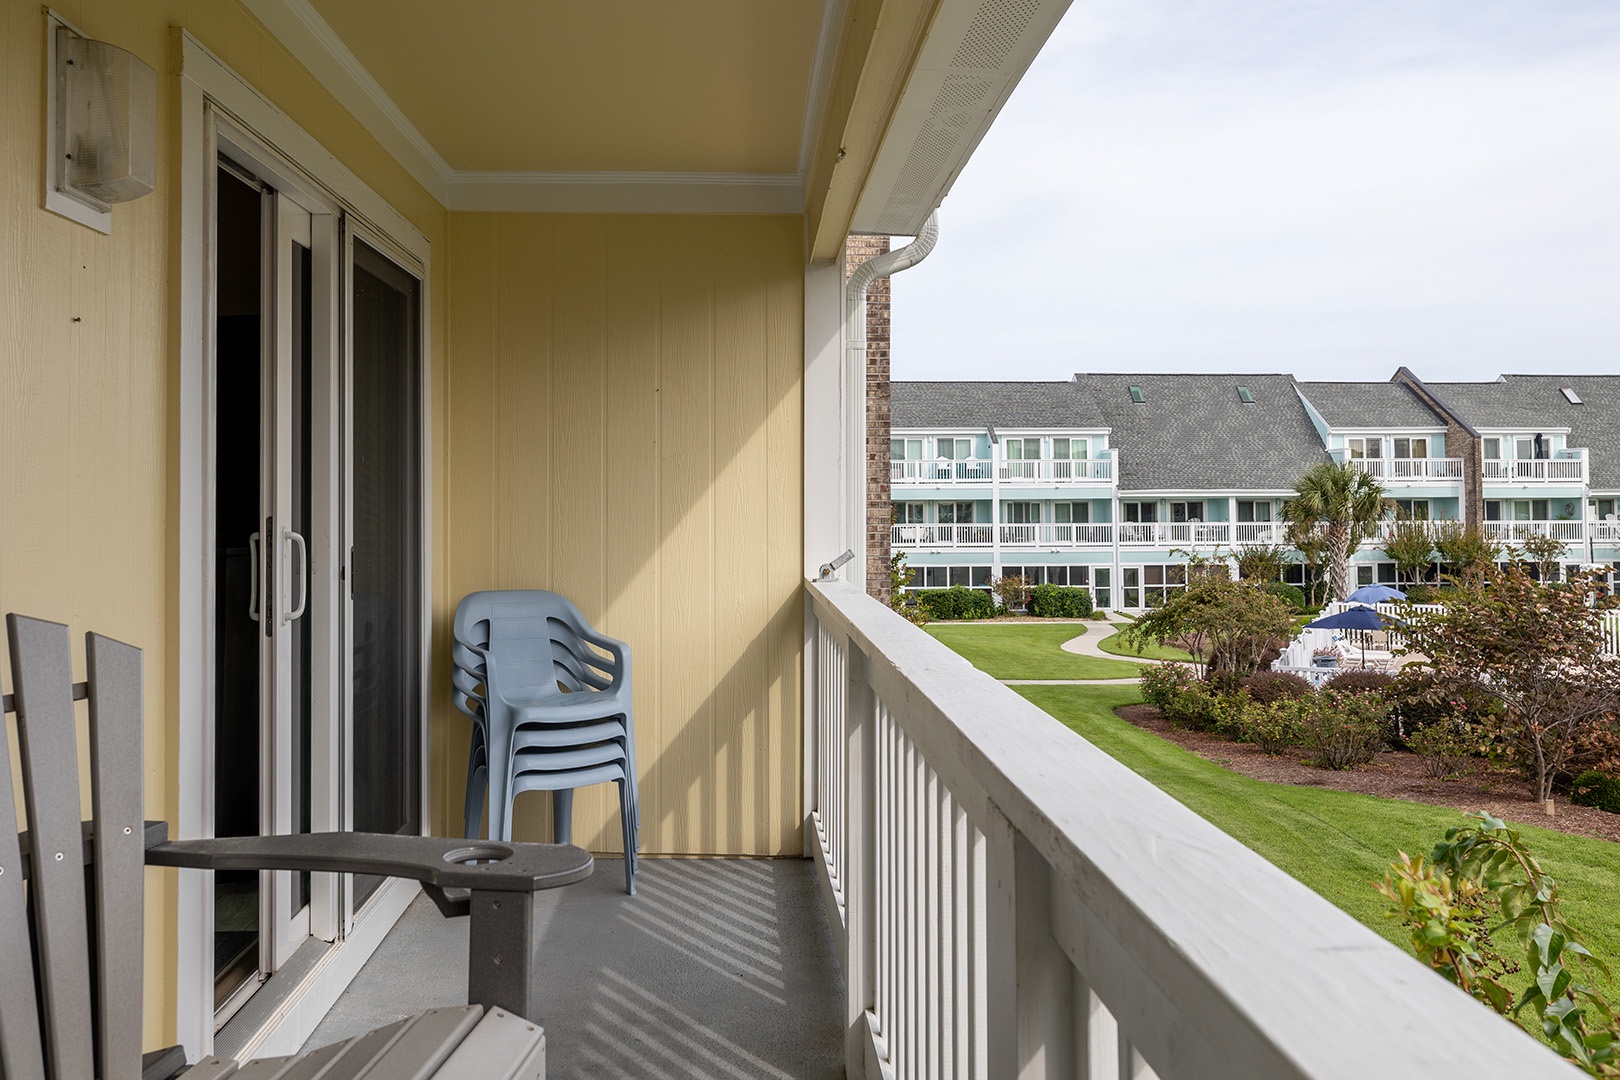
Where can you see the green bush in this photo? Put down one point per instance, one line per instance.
(1292, 595)
(1356, 681)
(1592, 788)
(1419, 698)
(956, 602)
(1344, 730)
(1446, 749)
(1059, 602)
(1274, 726)
(1162, 682)
(1266, 687)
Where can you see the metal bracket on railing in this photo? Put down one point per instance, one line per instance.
(829, 569)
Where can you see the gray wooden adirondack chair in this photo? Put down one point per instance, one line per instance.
(70, 901)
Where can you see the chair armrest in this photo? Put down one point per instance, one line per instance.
(434, 861)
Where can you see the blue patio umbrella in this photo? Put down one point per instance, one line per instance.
(1374, 594)
(1356, 618)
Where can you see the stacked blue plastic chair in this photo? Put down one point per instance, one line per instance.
(550, 702)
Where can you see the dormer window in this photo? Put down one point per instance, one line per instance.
(1137, 397)
(1244, 395)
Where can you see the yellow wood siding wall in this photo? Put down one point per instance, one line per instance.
(89, 430)
(625, 427)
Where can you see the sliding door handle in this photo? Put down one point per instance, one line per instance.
(302, 577)
(253, 577)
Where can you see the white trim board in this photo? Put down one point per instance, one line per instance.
(315, 45)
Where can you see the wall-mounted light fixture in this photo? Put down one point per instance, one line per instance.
(101, 138)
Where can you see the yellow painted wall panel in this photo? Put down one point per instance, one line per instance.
(649, 381)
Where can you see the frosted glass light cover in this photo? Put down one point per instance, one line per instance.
(106, 123)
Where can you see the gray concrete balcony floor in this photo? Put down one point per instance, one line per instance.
(715, 968)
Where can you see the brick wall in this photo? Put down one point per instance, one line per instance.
(857, 250)
(1460, 443)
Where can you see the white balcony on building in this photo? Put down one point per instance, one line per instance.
(1567, 531)
(985, 535)
(930, 473)
(1569, 469)
(981, 470)
(1174, 533)
(1399, 470)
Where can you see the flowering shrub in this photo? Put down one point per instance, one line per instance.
(1162, 682)
(1275, 726)
(1344, 730)
(1445, 748)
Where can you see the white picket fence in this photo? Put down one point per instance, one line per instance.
(1297, 657)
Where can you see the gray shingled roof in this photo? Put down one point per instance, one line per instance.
(1193, 433)
(1369, 404)
(990, 404)
(1535, 402)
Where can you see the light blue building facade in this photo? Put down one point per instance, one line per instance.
(1111, 482)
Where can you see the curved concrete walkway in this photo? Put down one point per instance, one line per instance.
(1089, 644)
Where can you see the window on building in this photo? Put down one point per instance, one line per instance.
(1531, 510)
(1139, 511)
(1021, 513)
(1491, 449)
(1137, 396)
(1366, 448)
(943, 577)
(1071, 513)
(1244, 395)
(1493, 509)
(1603, 509)
(954, 513)
(1386, 573)
(1023, 449)
(1254, 510)
(1101, 594)
(953, 449)
(1161, 580)
(905, 449)
(1413, 509)
(908, 513)
(1070, 449)
(1187, 511)
(1411, 448)
(1364, 574)
(1074, 576)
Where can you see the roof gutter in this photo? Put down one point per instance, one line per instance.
(854, 378)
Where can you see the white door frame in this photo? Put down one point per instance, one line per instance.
(221, 109)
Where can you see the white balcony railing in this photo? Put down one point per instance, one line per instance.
(1163, 533)
(1259, 532)
(1097, 471)
(969, 471)
(1570, 470)
(1410, 468)
(1568, 531)
(1048, 534)
(978, 471)
(1008, 900)
(1606, 531)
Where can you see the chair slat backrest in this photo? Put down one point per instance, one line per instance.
(21, 1057)
(114, 673)
(41, 667)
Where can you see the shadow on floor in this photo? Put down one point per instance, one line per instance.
(716, 968)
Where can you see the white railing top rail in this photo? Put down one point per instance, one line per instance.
(1220, 964)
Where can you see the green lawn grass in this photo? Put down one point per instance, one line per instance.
(1116, 644)
(1028, 651)
(1336, 842)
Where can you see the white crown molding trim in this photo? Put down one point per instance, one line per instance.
(314, 43)
(821, 69)
(627, 192)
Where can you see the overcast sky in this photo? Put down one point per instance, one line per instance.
(1328, 188)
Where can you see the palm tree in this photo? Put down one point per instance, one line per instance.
(1348, 503)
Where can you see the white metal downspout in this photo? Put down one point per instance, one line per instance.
(854, 389)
